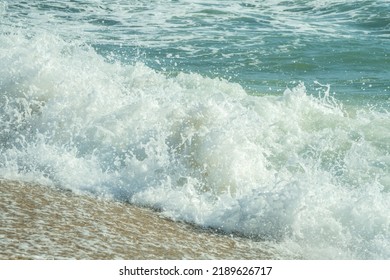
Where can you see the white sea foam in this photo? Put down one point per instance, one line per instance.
(293, 169)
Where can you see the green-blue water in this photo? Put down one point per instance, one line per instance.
(269, 119)
(263, 45)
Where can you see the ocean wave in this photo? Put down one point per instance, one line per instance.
(296, 169)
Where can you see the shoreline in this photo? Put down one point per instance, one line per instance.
(42, 222)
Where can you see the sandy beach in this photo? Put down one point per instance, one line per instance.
(40, 222)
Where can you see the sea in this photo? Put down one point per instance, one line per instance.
(195, 129)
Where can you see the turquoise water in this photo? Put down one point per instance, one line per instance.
(263, 45)
(267, 119)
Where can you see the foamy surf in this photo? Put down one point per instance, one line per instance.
(297, 169)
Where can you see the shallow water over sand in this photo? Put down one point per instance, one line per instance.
(39, 222)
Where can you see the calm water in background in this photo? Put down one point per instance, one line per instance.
(264, 119)
(263, 45)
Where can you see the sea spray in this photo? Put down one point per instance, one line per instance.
(295, 169)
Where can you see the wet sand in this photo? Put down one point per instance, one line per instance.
(40, 222)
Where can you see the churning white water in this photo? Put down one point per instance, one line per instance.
(297, 169)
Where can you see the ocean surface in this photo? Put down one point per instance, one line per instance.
(267, 122)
